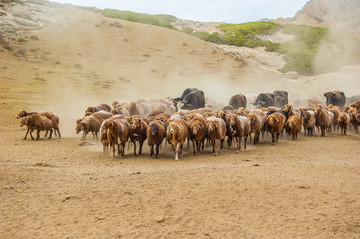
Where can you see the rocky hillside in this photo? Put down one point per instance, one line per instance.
(328, 13)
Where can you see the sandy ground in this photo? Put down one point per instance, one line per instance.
(55, 188)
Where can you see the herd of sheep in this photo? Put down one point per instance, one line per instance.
(156, 119)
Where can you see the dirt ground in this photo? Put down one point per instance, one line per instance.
(55, 188)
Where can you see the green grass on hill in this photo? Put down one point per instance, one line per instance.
(307, 53)
(161, 20)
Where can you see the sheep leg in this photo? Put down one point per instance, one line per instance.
(51, 131)
(47, 131)
(104, 146)
(38, 134)
(96, 134)
(273, 138)
(213, 144)
(93, 134)
(141, 142)
(134, 142)
(113, 145)
(198, 146)
(151, 150)
(28, 129)
(193, 143)
(157, 150)
(245, 141)
(215, 147)
(32, 130)
(57, 129)
(222, 144)
(84, 135)
(177, 151)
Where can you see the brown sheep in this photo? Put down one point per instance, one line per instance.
(151, 116)
(37, 122)
(240, 128)
(344, 122)
(353, 112)
(163, 117)
(103, 137)
(117, 129)
(308, 121)
(198, 133)
(155, 134)
(222, 114)
(88, 124)
(324, 119)
(293, 126)
(138, 127)
(336, 110)
(48, 114)
(190, 116)
(176, 135)
(257, 121)
(101, 115)
(216, 132)
(93, 109)
(275, 124)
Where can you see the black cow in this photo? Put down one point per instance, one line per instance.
(191, 98)
(281, 98)
(237, 101)
(264, 100)
(335, 98)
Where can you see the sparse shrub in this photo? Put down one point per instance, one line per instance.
(187, 30)
(21, 52)
(21, 40)
(34, 37)
(116, 24)
(161, 20)
(146, 55)
(79, 66)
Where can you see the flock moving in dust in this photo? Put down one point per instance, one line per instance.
(189, 118)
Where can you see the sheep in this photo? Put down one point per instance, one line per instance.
(257, 121)
(117, 129)
(240, 128)
(93, 109)
(293, 126)
(223, 115)
(155, 134)
(344, 122)
(88, 124)
(176, 135)
(275, 124)
(336, 110)
(324, 119)
(190, 116)
(101, 115)
(138, 127)
(216, 132)
(37, 122)
(308, 122)
(198, 133)
(163, 117)
(151, 116)
(48, 114)
(353, 112)
(103, 137)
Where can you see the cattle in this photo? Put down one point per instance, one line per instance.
(237, 101)
(216, 132)
(191, 98)
(264, 100)
(240, 128)
(281, 98)
(336, 98)
(176, 135)
(275, 124)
